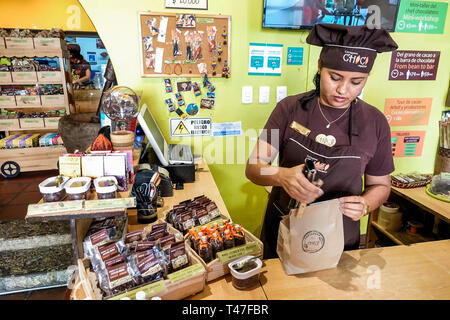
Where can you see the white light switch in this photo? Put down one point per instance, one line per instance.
(247, 94)
(264, 94)
(281, 93)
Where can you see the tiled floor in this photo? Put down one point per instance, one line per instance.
(15, 195)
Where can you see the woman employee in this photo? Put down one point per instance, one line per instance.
(347, 139)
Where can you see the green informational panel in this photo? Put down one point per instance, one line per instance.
(421, 17)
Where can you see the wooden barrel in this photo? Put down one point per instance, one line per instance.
(442, 162)
(122, 140)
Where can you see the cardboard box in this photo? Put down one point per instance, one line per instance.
(51, 122)
(50, 76)
(5, 77)
(7, 101)
(31, 123)
(46, 43)
(24, 43)
(53, 100)
(28, 101)
(24, 77)
(9, 124)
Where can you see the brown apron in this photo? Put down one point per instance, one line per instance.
(342, 178)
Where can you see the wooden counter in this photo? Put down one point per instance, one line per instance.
(419, 197)
(420, 271)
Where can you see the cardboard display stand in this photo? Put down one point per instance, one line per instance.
(161, 57)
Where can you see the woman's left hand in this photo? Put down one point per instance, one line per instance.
(354, 207)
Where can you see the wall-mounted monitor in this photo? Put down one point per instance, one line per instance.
(303, 14)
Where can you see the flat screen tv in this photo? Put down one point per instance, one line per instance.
(303, 14)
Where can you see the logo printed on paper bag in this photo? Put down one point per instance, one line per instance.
(313, 241)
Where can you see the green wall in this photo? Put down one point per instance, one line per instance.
(116, 22)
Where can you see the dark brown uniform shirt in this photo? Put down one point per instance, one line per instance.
(369, 125)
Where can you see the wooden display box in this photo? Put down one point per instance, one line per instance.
(215, 269)
(51, 122)
(45, 43)
(26, 123)
(28, 101)
(9, 124)
(53, 100)
(24, 77)
(85, 281)
(7, 101)
(50, 76)
(23, 43)
(5, 77)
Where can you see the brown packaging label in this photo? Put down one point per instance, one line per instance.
(99, 237)
(148, 266)
(155, 235)
(142, 254)
(167, 241)
(133, 236)
(118, 275)
(203, 216)
(144, 245)
(187, 220)
(113, 261)
(108, 250)
(159, 226)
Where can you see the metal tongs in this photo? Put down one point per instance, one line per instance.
(296, 208)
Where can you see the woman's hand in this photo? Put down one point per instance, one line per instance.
(354, 207)
(294, 182)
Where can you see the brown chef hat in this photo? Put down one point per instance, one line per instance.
(350, 48)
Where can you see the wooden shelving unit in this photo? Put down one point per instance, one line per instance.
(37, 158)
(417, 197)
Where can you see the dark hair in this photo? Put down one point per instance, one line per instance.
(316, 93)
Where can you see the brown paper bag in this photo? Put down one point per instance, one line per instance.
(312, 241)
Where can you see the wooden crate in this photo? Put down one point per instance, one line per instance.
(215, 269)
(53, 100)
(51, 122)
(22, 43)
(5, 77)
(9, 124)
(7, 101)
(50, 76)
(33, 159)
(31, 123)
(28, 101)
(45, 43)
(25, 77)
(86, 284)
(88, 281)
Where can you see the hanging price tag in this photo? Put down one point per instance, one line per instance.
(187, 4)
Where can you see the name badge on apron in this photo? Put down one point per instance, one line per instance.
(299, 128)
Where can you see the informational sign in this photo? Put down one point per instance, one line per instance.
(265, 59)
(414, 65)
(407, 143)
(295, 56)
(408, 111)
(421, 17)
(190, 127)
(227, 129)
(187, 4)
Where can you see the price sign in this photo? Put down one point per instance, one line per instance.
(187, 4)
(237, 252)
